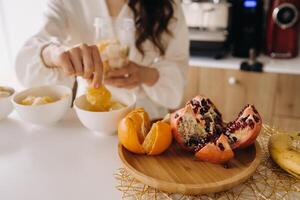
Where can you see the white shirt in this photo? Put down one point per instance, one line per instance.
(70, 22)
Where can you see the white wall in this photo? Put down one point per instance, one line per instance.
(19, 19)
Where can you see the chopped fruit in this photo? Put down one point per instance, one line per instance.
(113, 54)
(207, 111)
(197, 123)
(187, 129)
(244, 130)
(33, 100)
(199, 128)
(101, 47)
(99, 98)
(116, 106)
(134, 134)
(218, 152)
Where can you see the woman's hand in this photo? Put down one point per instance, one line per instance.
(131, 76)
(82, 61)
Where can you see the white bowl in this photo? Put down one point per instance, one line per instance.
(6, 106)
(47, 114)
(105, 122)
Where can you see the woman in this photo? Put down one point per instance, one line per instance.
(64, 49)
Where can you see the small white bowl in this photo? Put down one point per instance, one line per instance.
(6, 106)
(105, 122)
(47, 114)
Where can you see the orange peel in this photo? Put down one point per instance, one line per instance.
(136, 136)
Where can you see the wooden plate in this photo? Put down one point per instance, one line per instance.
(176, 171)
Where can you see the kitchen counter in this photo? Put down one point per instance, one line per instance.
(62, 162)
(283, 66)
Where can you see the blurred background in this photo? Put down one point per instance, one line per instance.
(232, 43)
(18, 21)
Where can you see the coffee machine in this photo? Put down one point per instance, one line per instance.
(247, 22)
(208, 22)
(283, 28)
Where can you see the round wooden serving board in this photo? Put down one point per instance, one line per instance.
(176, 171)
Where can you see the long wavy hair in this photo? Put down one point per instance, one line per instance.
(152, 18)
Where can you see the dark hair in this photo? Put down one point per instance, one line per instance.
(151, 18)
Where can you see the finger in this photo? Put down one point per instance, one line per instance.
(98, 72)
(90, 80)
(76, 59)
(66, 63)
(88, 64)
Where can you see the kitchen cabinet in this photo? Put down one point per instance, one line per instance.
(288, 96)
(276, 96)
(286, 123)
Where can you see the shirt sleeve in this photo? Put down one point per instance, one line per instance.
(172, 68)
(30, 68)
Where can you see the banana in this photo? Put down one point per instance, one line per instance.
(284, 149)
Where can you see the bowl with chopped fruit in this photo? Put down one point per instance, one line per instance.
(43, 105)
(6, 106)
(101, 110)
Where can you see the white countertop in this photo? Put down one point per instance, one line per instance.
(285, 66)
(63, 162)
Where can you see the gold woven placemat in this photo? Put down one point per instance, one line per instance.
(268, 182)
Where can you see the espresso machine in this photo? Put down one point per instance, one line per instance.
(247, 22)
(283, 28)
(208, 22)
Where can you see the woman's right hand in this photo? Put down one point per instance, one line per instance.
(82, 61)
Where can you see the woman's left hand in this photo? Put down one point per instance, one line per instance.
(131, 76)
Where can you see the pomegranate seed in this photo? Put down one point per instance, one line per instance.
(254, 109)
(202, 111)
(244, 124)
(209, 101)
(221, 146)
(203, 103)
(251, 123)
(234, 139)
(245, 118)
(238, 126)
(256, 118)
